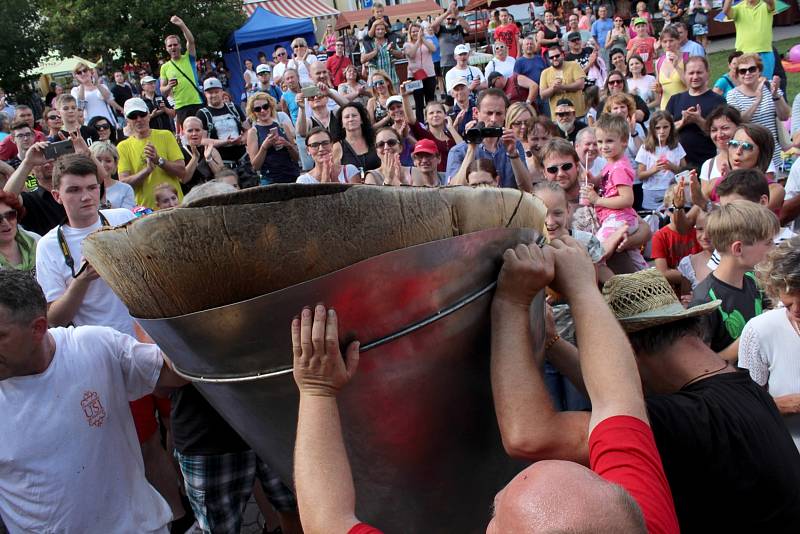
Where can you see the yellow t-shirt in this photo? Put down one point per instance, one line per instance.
(671, 85)
(131, 160)
(184, 93)
(753, 27)
(571, 72)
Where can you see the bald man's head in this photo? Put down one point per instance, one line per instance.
(319, 73)
(556, 496)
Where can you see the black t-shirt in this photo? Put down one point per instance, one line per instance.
(163, 121)
(121, 94)
(202, 172)
(725, 325)
(582, 58)
(198, 429)
(698, 145)
(225, 122)
(728, 456)
(42, 212)
(579, 125)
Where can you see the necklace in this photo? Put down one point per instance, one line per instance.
(707, 373)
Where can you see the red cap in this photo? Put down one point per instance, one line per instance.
(426, 146)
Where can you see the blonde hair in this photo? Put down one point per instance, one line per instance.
(80, 65)
(740, 220)
(164, 186)
(755, 58)
(518, 108)
(299, 41)
(385, 75)
(620, 98)
(104, 147)
(779, 273)
(255, 98)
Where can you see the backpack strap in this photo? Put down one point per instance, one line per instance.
(233, 111)
(212, 130)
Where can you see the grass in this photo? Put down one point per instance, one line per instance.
(719, 66)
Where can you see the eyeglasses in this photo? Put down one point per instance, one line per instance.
(423, 155)
(10, 216)
(53, 117)
(564, 167)
(564, 113)
(259, 109)
(299, 46)
(378, 82)
(450, 20)
(104, 126)
(519, 124)
(686, 209)
(319, 144)
(27, 135)
(279, 54)
(391, 143)
(554, 56)
(747, 70)
(616, 82)
(744, 145)
(82, 71)
(264, 73)
(134, 115)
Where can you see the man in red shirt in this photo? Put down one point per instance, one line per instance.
(337, 63)
(8, 148)
(631, 490)
(508, 33)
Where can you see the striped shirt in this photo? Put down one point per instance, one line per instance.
(765, 114)
(382, 61)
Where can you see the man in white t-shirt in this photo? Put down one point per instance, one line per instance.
(69, 456)
(475, 78)
(790, 212)
(75, 294)
(501, 62)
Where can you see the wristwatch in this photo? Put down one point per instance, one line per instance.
(161, 162)
(635, 134)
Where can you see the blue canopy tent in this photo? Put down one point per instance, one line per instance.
(262, 32)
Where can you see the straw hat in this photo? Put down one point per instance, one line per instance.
(645, 299)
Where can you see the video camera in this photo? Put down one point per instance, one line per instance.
(480, 131)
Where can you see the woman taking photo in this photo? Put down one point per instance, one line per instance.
(94, 99)
(391, 172)
(419, 52)
(17, 246)
(438, 127)
(759, 100)
(355, 137)
(326, 169)
(353, 89)
(270, 145)
(670, 68)
(377, 107)
(770, 343)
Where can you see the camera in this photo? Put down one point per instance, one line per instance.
(159, 101)
(413, 86)
(480, 131)
(310, 91)
(61, 148)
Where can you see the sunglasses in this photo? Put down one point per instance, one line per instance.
(685, 209)
(105, 126)
(259, 109)
(82, 71)
(319, 144)
(564, 167)
(378, 82)
(450, 20)
(53, 117)
(10, 216)
(554, 56)
(744, 145)
(279, 54)
(391, 143)
(137, 115)
(564, 113)
(747, 70)
(616, 82)
(298, 46)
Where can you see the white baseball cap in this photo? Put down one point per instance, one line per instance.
(212, 83)
(455, 83)
(461, 49)
(147, 79)
(395, 99)
(263, 68)
(134, 104)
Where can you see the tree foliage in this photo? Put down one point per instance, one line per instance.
(128, 29)
(22, 44)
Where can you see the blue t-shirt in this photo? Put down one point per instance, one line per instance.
(531, 67)
(437, 53)
(600, 29)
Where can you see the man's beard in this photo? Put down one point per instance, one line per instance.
(566, 127)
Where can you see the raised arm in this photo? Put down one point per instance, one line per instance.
(33, 157)
(529, 425)
(607, 361)
(191, 49)
(324, 482)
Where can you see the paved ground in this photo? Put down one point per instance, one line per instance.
(778, 33)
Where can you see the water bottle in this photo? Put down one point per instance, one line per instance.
(263, 177)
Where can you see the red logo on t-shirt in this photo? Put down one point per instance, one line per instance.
(93, 409)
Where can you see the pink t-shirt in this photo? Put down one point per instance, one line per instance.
(614, 174)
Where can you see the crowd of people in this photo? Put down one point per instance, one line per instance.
(672, 268)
